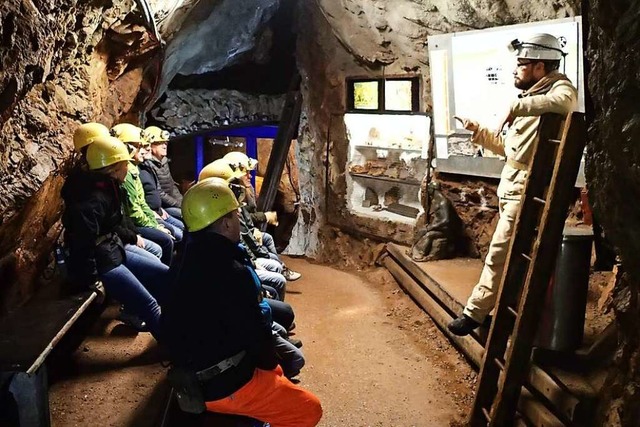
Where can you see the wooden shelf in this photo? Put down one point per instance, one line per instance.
(385, 178)
(411, 150)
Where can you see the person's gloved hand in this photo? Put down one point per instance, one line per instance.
(257, 234)
(272, 218)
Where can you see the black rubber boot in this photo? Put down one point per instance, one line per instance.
(462, 326)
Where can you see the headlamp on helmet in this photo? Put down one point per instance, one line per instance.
(541, 47)
(156, 135)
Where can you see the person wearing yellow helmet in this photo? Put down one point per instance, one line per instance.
(170, 195)
(230, 349)
(243, 165)
(220, 168)
(240, 160)
(153, 192)
(82, 137)
(85, 133)
(147, 223)
(269, 270)
(544, 90)
(93, 220)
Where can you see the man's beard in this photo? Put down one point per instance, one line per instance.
(524, 85)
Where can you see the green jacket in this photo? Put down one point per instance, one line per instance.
(135, 205)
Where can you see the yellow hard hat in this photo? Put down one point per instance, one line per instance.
(220, 169)
(129, 134)
(206, 202)
(105, 151)
(154, 134)
(239, 159)
(85, 133)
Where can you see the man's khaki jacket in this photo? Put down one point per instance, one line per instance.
(556, 96)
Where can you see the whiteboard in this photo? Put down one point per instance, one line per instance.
(472, 75)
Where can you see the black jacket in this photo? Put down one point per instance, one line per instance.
(213, 313)
(250, 199)
(169, 193)
(93, 222)
(151, 185)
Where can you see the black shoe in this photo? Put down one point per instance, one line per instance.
(296, 342)
(462, 326)
(132, 321)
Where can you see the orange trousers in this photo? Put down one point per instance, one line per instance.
(272, 398)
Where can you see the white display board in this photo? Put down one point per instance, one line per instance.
(472, 73)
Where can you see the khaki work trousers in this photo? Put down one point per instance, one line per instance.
(484, 294)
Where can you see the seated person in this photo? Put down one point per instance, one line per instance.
(92, 215)
(82, 137)
(136, 207)
(228, 355)
(269, 270)
(169, 192)
(152, 192)
(240, 161)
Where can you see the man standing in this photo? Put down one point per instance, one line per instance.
(169, 192)
(227, 353)
(545, 90)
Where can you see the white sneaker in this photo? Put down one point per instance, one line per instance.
(291, 275)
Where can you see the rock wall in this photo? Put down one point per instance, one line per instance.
(214, 35)
(339, 39)
(192, 110)
(613, 177)
(62, 64)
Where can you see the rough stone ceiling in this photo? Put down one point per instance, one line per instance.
(208, 35)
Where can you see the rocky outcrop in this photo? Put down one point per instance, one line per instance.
(214, 35)
(63, 63)
(613, 177)
(192, 110)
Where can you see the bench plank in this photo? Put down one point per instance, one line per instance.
(29, 333)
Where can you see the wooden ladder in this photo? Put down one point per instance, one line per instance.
(528, 268)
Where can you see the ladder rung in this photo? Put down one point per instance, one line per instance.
(512, 311)
(555, 141)
(486, 414)
(499, 363)
(527, 257)
(539, 200)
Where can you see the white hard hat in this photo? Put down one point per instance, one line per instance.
(543, 47)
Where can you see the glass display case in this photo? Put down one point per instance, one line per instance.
(387, 161)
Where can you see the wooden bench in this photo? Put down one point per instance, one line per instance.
(27, 337)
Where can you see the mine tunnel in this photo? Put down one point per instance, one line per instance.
(319, 212)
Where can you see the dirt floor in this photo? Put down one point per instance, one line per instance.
(373, 358)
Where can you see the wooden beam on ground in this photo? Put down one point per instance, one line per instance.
(566, 406)
(453, 307)
(535, 412)
(532, 409)
(470, 347)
